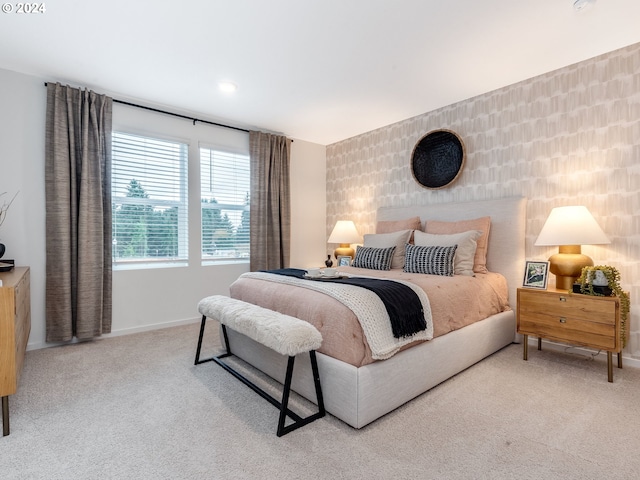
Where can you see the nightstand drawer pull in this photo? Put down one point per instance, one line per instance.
(562, 299)
(563, 320)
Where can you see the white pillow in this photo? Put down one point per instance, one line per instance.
(385, 240)
(465, 253)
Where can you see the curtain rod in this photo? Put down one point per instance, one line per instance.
(194, 120)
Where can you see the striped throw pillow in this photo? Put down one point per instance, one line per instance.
(430, 260)
(374, 258)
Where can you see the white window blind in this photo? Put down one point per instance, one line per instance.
(149, 199)
(224, 179)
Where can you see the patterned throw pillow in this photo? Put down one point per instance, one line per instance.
(393, 239)
(430, 260)
(465, 254)
(374, 258)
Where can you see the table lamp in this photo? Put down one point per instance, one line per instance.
(345, 234)
(569, 228)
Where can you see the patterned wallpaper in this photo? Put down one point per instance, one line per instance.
(569, 137)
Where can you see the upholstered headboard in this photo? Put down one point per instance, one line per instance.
(506, 249)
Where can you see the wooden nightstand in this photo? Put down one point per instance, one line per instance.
(576, 319)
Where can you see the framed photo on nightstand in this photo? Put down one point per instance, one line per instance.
(535, 274)
(344, 260)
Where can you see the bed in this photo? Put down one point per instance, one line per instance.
(360, 385)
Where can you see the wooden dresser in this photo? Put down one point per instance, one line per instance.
(15, 325)
(576, 319)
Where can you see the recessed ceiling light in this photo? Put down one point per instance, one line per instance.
(582, 4)
(227, 87)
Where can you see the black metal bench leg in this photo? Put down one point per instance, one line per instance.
(202, 324)
(283, 405)
(285, 396)
(5, 416)
(300, 422)
(316, 380)
(200, 338)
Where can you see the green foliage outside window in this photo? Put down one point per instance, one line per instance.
(142, 230)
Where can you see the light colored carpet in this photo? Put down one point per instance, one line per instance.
(135, 407)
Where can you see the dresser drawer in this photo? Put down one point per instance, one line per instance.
(23, 326)
(22, 292)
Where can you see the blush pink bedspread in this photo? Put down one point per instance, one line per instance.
(455, 301)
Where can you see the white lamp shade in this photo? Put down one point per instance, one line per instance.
(571, 226)
(344, 232)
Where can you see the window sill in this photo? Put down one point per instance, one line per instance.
(148, 265)
(240, 261)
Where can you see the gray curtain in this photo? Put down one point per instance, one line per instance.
(78, 213)
(270, 209)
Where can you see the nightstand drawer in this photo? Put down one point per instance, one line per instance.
(570, 330)
(579, 307)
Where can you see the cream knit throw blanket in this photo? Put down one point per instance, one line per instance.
(367, 307)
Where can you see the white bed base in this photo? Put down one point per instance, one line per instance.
(359, 396)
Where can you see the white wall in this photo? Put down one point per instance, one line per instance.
(144, 298)
(22, 128)
(308, 185)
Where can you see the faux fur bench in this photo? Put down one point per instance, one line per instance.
(284, 334)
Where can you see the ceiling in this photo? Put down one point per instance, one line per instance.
(315, 70)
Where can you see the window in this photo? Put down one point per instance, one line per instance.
(149, 199)
(224, 181)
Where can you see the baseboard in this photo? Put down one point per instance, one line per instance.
(120, 332)
(156, 326)
(587, 352)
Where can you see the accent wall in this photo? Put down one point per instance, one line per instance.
(569, 137)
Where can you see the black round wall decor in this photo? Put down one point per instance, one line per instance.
(437, 159)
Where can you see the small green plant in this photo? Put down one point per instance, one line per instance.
(613, 282)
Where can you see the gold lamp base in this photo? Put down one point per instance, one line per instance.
(567, 265)
(344, 250)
